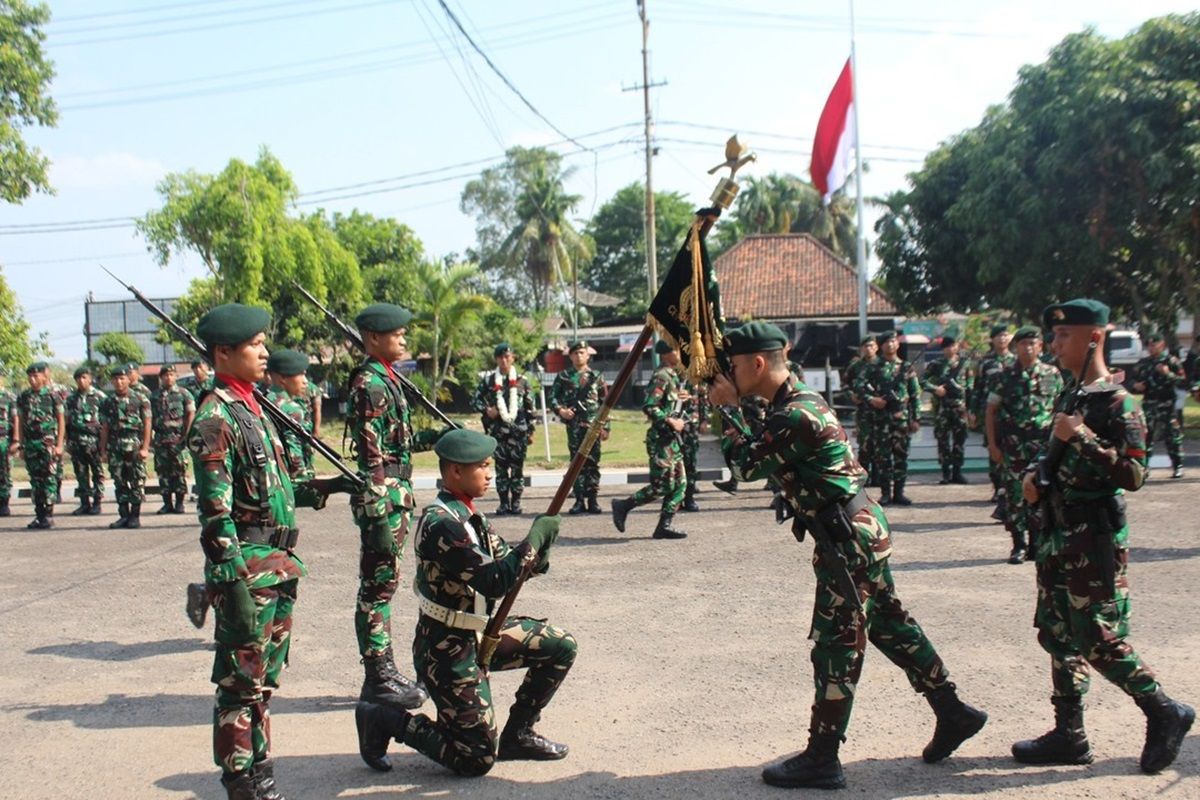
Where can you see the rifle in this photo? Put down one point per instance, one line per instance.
(824, 543)
(277, 415)
(410, 389)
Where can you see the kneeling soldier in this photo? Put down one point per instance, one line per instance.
(463, 567)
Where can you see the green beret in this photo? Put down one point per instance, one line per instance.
(886, 336)
(948, 340)
(165, 368)
(579, 345)
(37, 366)
(755, 337)
(997, 330)
(868, 339)
(1027, 332)
(287, 363)
(1081, 311)
(232, 323)
(462, 446)
(662, 347)
(383, 318)
(118, 369)
(196, 362)
(79, 373)
(1154, 338)
(501, 349)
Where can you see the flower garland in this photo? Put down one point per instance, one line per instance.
(508, 408)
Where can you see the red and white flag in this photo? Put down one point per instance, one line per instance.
(835, 136)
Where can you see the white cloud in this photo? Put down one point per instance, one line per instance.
(104, 171)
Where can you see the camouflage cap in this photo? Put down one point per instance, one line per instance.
(886, 336)
(81, 371)
(287, 363)
(166, 368)
(755, 337)
(232, 323)
(1081, 311)
(997, 330)
(1027, 332)
(577, 345)
(383, 318)
(37, 366)
(501, 349)
(662, 347)
(462, 446)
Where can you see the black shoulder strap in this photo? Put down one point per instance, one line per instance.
(255, 450)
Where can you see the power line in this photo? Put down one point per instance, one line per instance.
(142, 10)
(106, 257)
(242, 9)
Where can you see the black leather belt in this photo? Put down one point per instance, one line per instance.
(399, 471)
(282, 538)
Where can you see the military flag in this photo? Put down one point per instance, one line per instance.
(686, 312)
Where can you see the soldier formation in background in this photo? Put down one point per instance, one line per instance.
(1160, 378)
(892, 394)
(83, 410)
(288, 389)
(576, 397)
(125, 432)
(949, 381)
(988, 367)
(505, 404)
(43, 437)
(10, 442)
(868, 348)
(172, 409)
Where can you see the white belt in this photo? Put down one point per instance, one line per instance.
(450, 617)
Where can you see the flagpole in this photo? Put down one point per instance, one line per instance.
(858, 171)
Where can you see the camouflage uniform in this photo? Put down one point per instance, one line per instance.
(8, 424)
(862, 417)
(694, 413)
(39, 410)
(987, 368)
(195, 388)
(1159, 401)
(63, 393)
(297, 451)
(512, 438)
(1024, 400)
(949, 412)
(584, 392)
(895, 381)
(125, 417)
(83, 443)
(170, 409)
(663, 445)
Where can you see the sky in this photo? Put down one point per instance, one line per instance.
(382, 106)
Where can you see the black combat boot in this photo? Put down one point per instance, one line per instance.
(956, 722)
(168, 507)
(898, 496)
(1066, 744)
(264, 781)
(728, 487)
(1167, 722)
(885, 493)
(593, 505)
(1177, 471)
(85, 507)
(122, 521)
(503, 508)
(578, 508)
(48, 516)
(197, 603)
(240, 786)
(689, 501)
(1018, 549)
(134, 520)
(1000, 512)
(817, 767)
(39, 519)
(95, 509)
(664, 530)
(383, 683)
(945, 475)
(620, 510)
(956, 476)
(514, 504)
(519, 741)
(179, 509)
(5, 511)
(377, 726)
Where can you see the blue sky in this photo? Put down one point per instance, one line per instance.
(347, 92)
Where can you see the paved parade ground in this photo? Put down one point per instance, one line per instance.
(693, 668)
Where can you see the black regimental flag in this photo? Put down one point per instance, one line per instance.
(687, 309)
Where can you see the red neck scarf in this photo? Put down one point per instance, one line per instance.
(391, 373)
(242, 390)
(466, 501)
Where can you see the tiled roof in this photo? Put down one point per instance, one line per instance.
(791, 276)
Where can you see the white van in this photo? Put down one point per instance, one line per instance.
(1124, 348)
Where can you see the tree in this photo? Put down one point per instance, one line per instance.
(783, 203)
(446, 312)
(17, 348)
(119, 348)
(25, 75)
(388, 254)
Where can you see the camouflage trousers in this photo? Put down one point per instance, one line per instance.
(862, 436)
(1081, 622)
(950, 430)
(5, 470)
(383, 518)
(890, 442)
(840, 635)
(588, 482)
(89, 470)
(995, 469)
(463, 736)
(1162, 422)
(691, 452)
(42, 465)
(171, 463)
(667, 474)
(510, 464)
(128, 473)
(246, 670)
(1019, 516)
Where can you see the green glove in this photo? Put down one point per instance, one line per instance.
(238, 608)
(543, 532)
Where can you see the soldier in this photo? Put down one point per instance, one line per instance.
(1083, 600)
(868, 348)
(576, 397)
(663, 446)
(463, 567)
(950, 384)
(199, 381)
(83, 441)
(695, 422)
(59, 463)
(288, 371)
(504, 400)
(1019, 410)
(172, 410)
(10, 442)
(1157, 377)
(135, 380)
(997, 359)
(804, 447)
(383, 441)
(43, 434)
(889, 387)
(125, 430)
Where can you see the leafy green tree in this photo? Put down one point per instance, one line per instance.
(388, 254)
(446, 314)
(17, 348)
(119, 348)
(783, 203)
(25, 75)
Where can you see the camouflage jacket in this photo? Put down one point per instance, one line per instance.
(492, 386)
(954, 377)
(896, 382)
(583, 391)
(661, 403)
(8, 416)
(125, 417)
(1160, 388)
(1024, 400)
(39, 410)
(83, 417)
(140, 388)
(987, 368)
(455, 563)
(293, 447)
(853, 371)
(804, 446)
(194, 387)
(170, 409)
(380, 422)
(230, 488)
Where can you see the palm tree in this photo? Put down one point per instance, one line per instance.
(449, 308)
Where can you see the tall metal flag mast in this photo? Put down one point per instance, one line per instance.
(858, 184)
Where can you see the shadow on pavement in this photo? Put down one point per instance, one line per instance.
(965, 563)
(1146, 554)
(163, 710)
(114, 651)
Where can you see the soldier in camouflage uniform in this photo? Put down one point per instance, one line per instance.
(889, 387)
(463, 568)
(1020, 406)
(695, 421)
(1083, 601)
(134, 371)
(63, 393)
(43, 434)
(83, 441)
(1157, 377)
(868, 349)
(200, 381)
(10, 442)
(383, 441)
(125, 431)
(172, 410)
(804, 447)
(289, 390)
(504, 400)
(576, 397)
(989, 366)
(949, 381)
(664, 446)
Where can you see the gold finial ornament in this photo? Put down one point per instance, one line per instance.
(736, 157)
